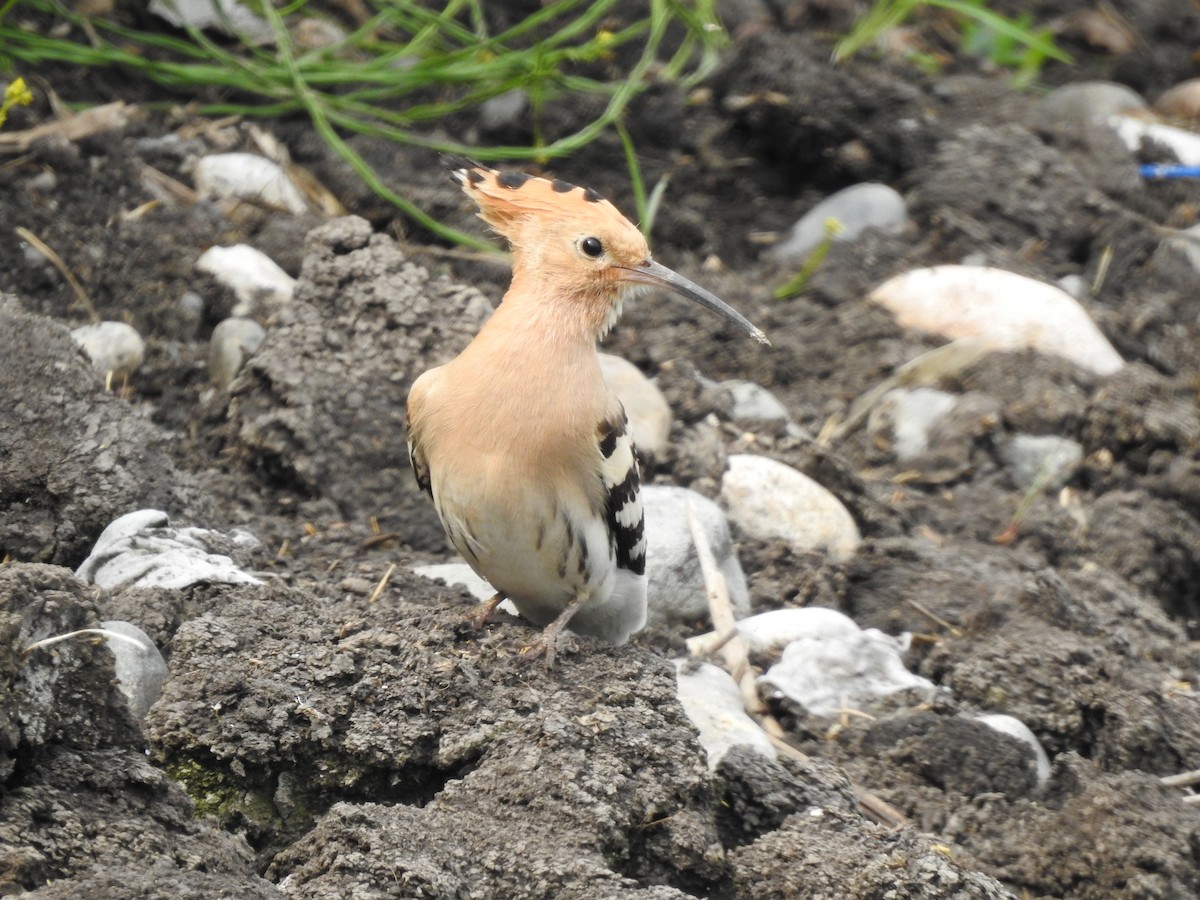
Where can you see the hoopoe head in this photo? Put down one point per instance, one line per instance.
(576, 243)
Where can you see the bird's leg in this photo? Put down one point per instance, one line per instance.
(480, 617)
(547, 643)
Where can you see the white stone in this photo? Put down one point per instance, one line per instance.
(828, 673)
(909, 415)
(249, 178)
(1043, 457)
(1075, 285)
(676, 590)
(227, 16)
(259, 284)
(766, 634)
(112, 347)
(141, 549)
(1014, 727)
(1004, 310)
(647, 408)
(1184, 144)
(711, 699)
(855, 209)
(140, 667)
(771, 501)
(233, 342)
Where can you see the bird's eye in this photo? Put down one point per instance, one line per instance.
(591, 246)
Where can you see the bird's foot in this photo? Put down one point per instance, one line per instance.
(547, 643)
(484, 613)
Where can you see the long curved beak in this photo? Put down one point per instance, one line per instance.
(651, 273)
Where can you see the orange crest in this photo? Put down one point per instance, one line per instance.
(508, 201)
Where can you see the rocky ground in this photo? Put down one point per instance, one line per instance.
(335, 729)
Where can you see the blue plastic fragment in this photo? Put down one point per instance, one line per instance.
(1168, 170)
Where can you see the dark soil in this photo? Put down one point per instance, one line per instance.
(320, 738)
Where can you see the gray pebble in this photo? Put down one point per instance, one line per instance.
(190, 310)
(140, 667)
(504, 110)
(1046, 457)
(1086, 100)
(233, 342)
(676, 589)
(905, 418)
(856, 208)
(111, 346)
(755, 406)
(43, 181)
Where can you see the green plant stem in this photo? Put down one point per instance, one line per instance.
(313, 106)
(408, 64)
(796, 284)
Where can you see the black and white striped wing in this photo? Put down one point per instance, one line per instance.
(623, 504)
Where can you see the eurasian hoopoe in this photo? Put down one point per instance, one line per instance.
(519, 441)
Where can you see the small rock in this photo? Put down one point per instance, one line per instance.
(647, 409)
(676, 585)
(140, 667)
(1014, 727)
(771, 501)
(754, 406)
(907, 417)
(503, 111)
(1181, 101)
(1134, 132)
(1047, 458)
(112, 347)
(233, 342)
(45, 182)
(1004, 310)
(766, 634)
(713, 702)
(247, 177)
(190, 314)
(1075, 285)
(140, 549)
(226, 16)
(856, 208)
(1086, 100)
(259, 284)
(831, 672)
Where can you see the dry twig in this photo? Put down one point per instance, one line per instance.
(737, 663)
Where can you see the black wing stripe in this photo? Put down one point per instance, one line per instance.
(623, 504)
